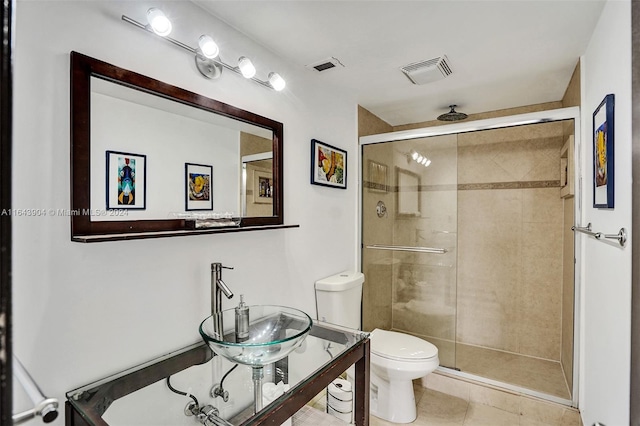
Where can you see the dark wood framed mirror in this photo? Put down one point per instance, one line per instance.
(173, 134)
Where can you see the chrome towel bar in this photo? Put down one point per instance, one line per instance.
(621, 236)
(45, 407)
(407, 248)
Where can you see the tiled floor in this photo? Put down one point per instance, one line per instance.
(478, 406)
(439, 409)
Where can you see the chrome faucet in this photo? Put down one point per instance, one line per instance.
(217, 288)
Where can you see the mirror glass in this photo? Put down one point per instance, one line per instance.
(150, 157)
(172, 136)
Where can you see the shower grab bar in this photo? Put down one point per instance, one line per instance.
(407, 248)
(621, 236)
(43, 406)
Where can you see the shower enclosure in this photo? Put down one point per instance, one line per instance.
(467, 243)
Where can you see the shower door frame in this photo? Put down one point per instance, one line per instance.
(571, 113)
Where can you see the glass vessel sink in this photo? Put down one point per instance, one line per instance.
(274, 332)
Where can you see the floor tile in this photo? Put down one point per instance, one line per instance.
(484, 415)
(436, 409)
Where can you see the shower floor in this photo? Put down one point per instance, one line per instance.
(532, 373)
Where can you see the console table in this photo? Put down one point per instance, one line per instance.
(140, 395)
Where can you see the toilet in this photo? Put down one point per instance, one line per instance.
(396, 358)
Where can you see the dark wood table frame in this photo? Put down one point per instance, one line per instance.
(87, 408)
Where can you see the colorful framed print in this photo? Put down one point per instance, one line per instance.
(126, 180)
(198, 194)
(262, 186)
(603, 154)
(328, 165)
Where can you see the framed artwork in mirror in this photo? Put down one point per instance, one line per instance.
(198, 195)
(126, 180)
(262, 187)
(328, 165)
(603, 154)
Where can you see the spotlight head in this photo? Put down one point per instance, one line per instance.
(159, 23)
(276, 81)
(246, 67)
(208, 47)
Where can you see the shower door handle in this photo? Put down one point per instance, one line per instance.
(407, 248)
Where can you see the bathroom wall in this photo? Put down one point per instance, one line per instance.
(571, 98)
(371, 124)
(83, 311)
(606, 274)
(483, 115)
(510, 239)
(377, 266)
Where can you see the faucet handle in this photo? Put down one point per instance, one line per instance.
(227, 267)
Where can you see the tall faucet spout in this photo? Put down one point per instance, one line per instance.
(225, 289)
(218, 287)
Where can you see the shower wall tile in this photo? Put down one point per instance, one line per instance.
(488, 283)
(540, 310)
(510, 246)
(526, 153)
(567, 291)
(489, 206)
(376, 291)
(377, 265)
(542, 205)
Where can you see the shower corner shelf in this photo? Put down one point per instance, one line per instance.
(567, 168)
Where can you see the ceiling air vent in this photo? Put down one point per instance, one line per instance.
(427, 71)
(326, 64)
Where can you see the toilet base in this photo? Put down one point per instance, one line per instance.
(393, 401)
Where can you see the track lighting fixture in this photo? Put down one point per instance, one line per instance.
(206, 54)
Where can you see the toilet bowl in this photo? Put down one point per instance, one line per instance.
(396, 360)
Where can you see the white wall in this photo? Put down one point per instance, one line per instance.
(168, 140)
(606, 284)
(82, 311)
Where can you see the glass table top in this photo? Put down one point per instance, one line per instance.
(141, 396)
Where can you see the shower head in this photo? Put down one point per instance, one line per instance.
(452, 115)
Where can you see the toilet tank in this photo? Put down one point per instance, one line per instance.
(339, 299)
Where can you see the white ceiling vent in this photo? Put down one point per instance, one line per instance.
(326, 64)
(427, 71)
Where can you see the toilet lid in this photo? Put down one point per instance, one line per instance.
(390, 344)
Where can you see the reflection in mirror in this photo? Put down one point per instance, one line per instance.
(171, 135)
(146, 155)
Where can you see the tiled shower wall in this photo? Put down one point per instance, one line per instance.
(510, 218)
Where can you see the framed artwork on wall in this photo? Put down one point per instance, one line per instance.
(126, 180)
(603, 154)
(198, 194)
(328, 165)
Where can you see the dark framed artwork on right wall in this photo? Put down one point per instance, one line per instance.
(603, 154)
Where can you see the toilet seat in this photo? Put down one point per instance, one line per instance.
(401, 347)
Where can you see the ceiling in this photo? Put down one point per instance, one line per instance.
(503, 54)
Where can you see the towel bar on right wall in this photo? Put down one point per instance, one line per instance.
(621, 236)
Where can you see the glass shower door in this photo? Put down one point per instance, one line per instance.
(409, 209)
